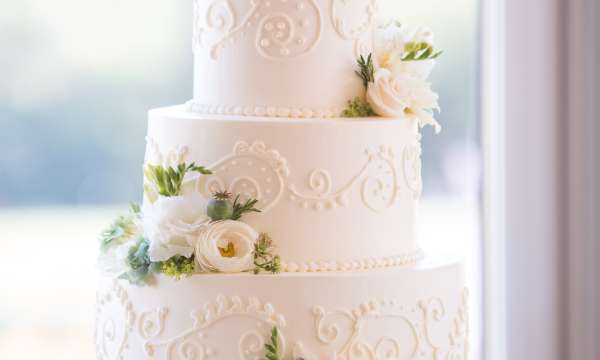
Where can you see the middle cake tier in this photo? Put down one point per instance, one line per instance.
(333, 194)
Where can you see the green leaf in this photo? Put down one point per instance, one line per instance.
(419, 51)
(135, 208)
(178, 267)
(240, 209)
(169, 180)
(426, 54)
(272, 348)
(436, 55)
(264, 259)
(366, 69)
(202, 170)
(139, 263)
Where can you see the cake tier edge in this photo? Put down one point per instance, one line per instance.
(408, 313)
(334, 194)
(246, 52)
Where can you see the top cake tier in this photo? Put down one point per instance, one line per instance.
(286, 58)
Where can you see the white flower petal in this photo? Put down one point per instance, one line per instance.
(172, 225)
(114, 260)
(402, 96)
(163, 252)
(219, 235)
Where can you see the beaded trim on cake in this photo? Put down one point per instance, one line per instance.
(349, 265)
(262, 111)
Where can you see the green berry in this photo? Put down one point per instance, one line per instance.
(219, 209)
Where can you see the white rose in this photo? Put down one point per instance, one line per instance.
(402, 96)
(226, 246)
(172, 225)
(420, 69)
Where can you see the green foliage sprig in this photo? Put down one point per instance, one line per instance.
(178, 267)
(358, 108)
(272, 348)
(240, 209)
(366, 69)
(138, 262)
(168, 180)
(141, 267)
(122, 229)
(264, 259)
(417, 51)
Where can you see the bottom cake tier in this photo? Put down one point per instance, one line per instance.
(407, 313)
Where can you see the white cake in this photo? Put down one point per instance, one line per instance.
(267, 136)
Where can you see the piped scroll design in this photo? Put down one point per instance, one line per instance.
(459, 336)
(195, 343)
(151, 323)
(264, 172)
(283, 28)
(115, 319)
(353, 334)
(411, 162)
(378, 180)
(362, 14)
(256, 171)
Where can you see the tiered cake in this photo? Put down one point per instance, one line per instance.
(280, 203)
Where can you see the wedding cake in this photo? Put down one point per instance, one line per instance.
(280, 203)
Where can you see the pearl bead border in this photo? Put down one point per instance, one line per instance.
(262, 111)
(352, 265)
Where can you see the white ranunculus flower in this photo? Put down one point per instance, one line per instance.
(172, 225)
(226, 246)
(389, 49)
(402, 96)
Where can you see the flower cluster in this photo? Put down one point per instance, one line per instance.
(179, 233)
(395, 76)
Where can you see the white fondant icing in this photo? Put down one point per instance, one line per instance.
(355, 28)
(115, 319)
(247, 52)
(194, 342)
(412, 168)
(251, 171)
(378, 185)
(312, 177)
(419, 312)
(281, 28)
